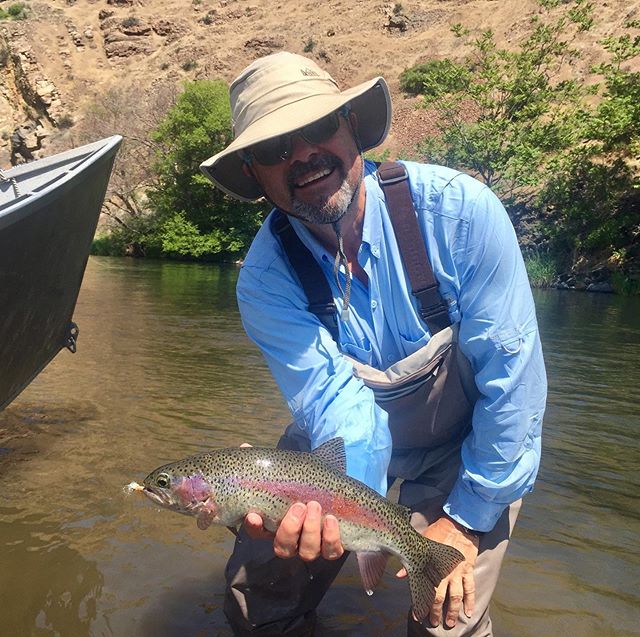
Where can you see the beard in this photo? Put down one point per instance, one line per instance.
(335, 206)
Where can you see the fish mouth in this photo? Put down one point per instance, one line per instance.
(166, 499)
(158, 496)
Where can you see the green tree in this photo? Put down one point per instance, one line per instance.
(591, 201)
(564, 156)
(194, 219)
(499, 114)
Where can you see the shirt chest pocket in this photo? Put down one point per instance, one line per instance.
(362, 351)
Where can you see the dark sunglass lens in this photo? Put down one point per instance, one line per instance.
(322, 130)
(272, 151)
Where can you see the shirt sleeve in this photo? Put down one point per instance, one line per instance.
(326, 400)
(499, 335)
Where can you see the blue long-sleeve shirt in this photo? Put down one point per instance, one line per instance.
(476, 259)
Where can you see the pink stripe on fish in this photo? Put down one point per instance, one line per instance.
(332, 503)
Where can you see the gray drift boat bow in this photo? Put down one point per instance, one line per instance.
(49, 211)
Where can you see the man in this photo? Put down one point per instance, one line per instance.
(465, 440)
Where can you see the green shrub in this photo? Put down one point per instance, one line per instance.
(16, 11)
(542, 268)
(378, 155)
(66, 121)
(627, 285)
(109, 245)
(434, 78)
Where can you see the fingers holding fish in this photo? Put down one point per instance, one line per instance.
(459, 585)
(459, 591)
(435, 615)
(254, 526)
(310, 545)
(288, 535)
(455, 603)
(469, 591)
(304, 532)
(332, 548)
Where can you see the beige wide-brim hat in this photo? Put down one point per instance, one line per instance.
(280, 93)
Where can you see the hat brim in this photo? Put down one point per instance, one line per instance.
(370, 102)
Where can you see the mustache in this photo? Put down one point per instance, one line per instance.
(315, 163)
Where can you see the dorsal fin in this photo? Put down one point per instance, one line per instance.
(332, 454)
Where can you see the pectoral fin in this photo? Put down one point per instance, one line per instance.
(207, 512)
(204, 520)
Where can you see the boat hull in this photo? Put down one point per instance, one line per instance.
(45, 240)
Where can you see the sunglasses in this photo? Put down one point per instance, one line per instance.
(277, 149)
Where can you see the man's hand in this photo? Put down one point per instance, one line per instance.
(301, 532)
(460, 583)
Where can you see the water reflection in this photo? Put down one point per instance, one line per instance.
(576, 539)
(164, 369)
(37, 596)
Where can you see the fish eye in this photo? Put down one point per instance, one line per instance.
(163, 480)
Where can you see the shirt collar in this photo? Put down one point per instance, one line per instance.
(372, 226)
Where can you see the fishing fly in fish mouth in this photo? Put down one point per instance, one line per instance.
(224, 485)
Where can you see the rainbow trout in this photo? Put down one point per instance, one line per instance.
(223, 485)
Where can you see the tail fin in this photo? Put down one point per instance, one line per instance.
(436, 561)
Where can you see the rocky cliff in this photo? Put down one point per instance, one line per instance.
(68, 54)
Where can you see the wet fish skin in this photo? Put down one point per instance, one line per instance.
(224, 485)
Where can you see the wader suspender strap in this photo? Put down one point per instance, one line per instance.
(314, 283)
(394, 182)
(393, 179)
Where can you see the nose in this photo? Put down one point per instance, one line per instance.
(301, 149)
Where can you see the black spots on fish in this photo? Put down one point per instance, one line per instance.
(269, 480)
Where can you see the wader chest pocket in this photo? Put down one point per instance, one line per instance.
(393, 390)
(423, 393)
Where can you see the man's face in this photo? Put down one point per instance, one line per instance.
(316, 182)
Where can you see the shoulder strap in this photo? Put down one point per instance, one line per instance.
(314, 283)
(394, 180)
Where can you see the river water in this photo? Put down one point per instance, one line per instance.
(164, 370)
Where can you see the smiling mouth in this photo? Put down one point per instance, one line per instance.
(313, 177)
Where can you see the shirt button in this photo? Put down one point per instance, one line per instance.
(374, 304)
(375, 251)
